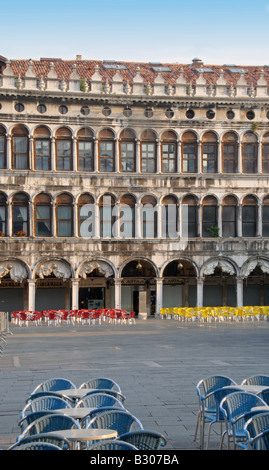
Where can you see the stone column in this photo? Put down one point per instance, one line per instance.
(75, 154)
(178, 163)
(117, 284)
(8, 150)
(31, 294)
(239, 291)
(199, 157)
(138, 225)
(158, 156)
(200, 288)
(137, 156)
(31, 153)
(52, 154)
(239, 221)
(159, 295)
(75, 293)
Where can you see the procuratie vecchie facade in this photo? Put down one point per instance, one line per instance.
(121, 178)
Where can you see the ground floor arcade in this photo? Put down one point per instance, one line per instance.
(137, 285)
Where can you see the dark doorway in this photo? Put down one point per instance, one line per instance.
(92, 297)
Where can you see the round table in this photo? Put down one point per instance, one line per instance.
(82, 435)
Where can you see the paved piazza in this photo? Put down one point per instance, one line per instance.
(156, 362)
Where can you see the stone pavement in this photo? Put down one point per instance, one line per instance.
(156, 362)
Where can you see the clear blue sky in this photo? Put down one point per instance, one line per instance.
(218, 32)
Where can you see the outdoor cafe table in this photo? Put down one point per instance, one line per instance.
(76, 413)
(82, 435)
(76, 393)
(249, 388)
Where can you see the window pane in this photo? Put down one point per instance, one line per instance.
(64, 229)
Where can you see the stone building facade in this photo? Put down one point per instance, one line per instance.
(118, 179)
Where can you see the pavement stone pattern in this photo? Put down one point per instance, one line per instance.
(157, 364)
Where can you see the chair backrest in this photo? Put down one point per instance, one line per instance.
(48, 423)
(114, 393)
(31, 417)
(37, 446)
(261, 441)
(112, 445)
(46, 402)
(218, 395)
(97, 411)
(54, 384)
(264, 395)
(145, 440)
(209, 384)
(237, 404)
(95, 400)
(119, 420)
(55, 439)
(256, 380)
(101, 382)
(36, 395)
(257, 424)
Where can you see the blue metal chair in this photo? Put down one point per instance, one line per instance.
(37, 446)
(264, 395)
(119, 420)
(114, 393)
(56, 439)
(212, 418)
(45, 402)
(101, 382)
(256, 425)
(89, 417)
(256, 380)
(48, 423)
(95, 400)
(203, 388)
(112, 445)
(53, 385)
(261, 441)
(144, 439)
(234, 407)
(36, 395)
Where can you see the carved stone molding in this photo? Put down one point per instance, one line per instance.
(56, 267)
(264, 265)
(224, 265)
(15, 269)
(89, 267)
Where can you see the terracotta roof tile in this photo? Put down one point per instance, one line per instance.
(86, 68)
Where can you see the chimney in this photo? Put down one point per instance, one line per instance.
(79, 57)
(197, 62)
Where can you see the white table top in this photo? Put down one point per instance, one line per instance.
(76, 413)
(86, 434)
(249, 388)
(75, 392)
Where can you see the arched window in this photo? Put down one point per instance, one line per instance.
(148, 152)
(64, 151)
(43, 215)
(42, 148)
(85, 149)
(169, 152)
(149, 217)
(249, 152)
(229, 153)
(127, 150)
(64, 215)
(229, 216)
(189, 152)
(169, 217)
(265, 217)
(209, 152)
(3, 146)
(86, 217)
(106, 150)
(265, 153)
(3, 213)
(20, 213)
(210, 217)
(249, 216)
(20, 148)
(107, 216)
(189, 216)
(127, 216)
